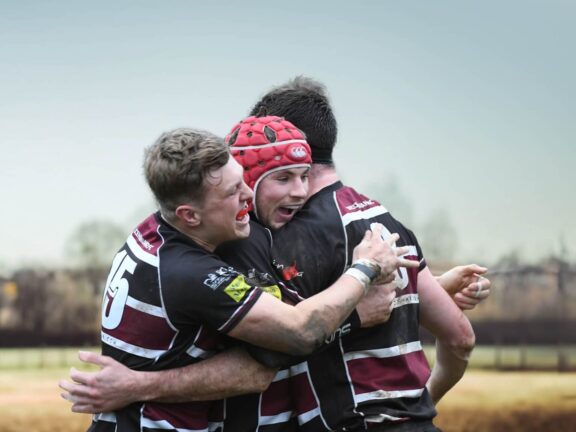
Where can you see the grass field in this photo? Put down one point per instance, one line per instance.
(484, 401)
(483, 357)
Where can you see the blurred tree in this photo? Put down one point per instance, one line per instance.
(76, 308)
(391, 196)
(31, 304)
(91, 247)
(438, 237)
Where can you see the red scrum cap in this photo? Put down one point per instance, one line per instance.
(263, 145)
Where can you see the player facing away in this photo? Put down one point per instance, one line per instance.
(375, 378)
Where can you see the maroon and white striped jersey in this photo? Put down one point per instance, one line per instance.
(369, 375)
(167, 304)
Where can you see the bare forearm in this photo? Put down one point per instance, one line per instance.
(323, 313)
(228, 374)
(448, 369)
(299, 330)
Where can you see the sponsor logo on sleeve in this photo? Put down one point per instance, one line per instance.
(360, 205)
(219, 276)
(237, 289)
(288, 272)
(273, 290)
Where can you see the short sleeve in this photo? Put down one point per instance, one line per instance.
(205, 290)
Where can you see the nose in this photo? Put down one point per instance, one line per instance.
(246, 193)
(299, 188)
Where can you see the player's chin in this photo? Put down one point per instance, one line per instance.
(281, 218)
(242, 229)
(277, 224)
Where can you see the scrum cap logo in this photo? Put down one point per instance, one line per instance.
(297, 152)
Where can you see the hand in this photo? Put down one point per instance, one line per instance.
(106, 390)
(376, 307)
(466, 285)
(383, 252)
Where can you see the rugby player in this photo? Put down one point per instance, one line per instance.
(117, 387)
(269, 211)
(169, 300)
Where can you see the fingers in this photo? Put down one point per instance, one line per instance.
(465, 302)
(473, 292)
(477, 289)
(483, 283)
(469, 297)
(82, 398)
(367, 236)
(65, 385)
(476, 269)
(84, 408)
(79, 376)
(408, 263)
(392, 239)
(93, 358)
(402, 250)
(74, 390)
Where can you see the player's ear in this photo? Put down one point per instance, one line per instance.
(188, 214)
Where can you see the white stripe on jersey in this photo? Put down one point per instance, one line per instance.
(383, 394)
(379, 418)
(196, 352)
(363, 214)
(299, 368)
(129, 348)
(147, 308)
(384, 352)
(278, 418)
(215, 426)
(309, 415)
(241, 308)
(107, 417)
(282, 374)
(163, 424)
(142, 255)
(404, 300)
(411, 251)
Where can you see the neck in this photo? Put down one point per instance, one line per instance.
(321, 176)
(180, 226)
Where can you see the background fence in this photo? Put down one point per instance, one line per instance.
(496, 357)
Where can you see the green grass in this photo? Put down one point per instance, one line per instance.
(483, 357)
(484, 401)
(517, 357)
(40, 358)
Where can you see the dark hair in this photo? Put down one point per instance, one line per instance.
(304, 102)
(177, 164)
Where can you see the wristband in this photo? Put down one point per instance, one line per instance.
(369, 268)
(360, 276)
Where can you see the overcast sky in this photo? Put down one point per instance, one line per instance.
(467, 107)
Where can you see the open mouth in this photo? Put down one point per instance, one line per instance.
(288, 211)
(242, 214)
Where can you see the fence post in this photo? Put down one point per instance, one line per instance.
(562, 359)
(523, 356)
(497, 355)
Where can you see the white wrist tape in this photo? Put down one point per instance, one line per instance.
(360, 276)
